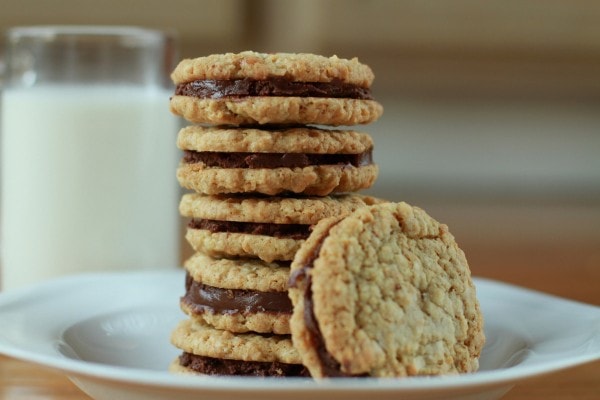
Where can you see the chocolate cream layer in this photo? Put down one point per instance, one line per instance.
(218, 89)
(203, 298)
(329, 365)
(219, 366)
(289, 231)
(275, 160)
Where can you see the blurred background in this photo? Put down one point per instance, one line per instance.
(492, 109)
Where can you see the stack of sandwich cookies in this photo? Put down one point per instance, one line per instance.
(261, 178)
(238, 324)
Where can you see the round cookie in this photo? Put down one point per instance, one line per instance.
(301, 67)
(385, 291)
(270, 228)
(238, 295)
(210, 351)
(226, 244)
(301, 160)
(278, 88)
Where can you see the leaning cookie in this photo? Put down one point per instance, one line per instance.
(210, 351)
(280, 88)
(301, 160)
(240, 295)
(385, 291)
(269, 228)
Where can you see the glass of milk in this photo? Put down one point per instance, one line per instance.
(88, 153)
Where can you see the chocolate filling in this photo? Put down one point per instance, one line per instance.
(275, 160)
(220, 366)
(236, 88)
(203, 298)
(329, 365)
(291, 231)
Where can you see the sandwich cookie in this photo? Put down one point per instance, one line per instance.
(238, 295)
(282, 88)
(385, 291)
(269, 228)
(300, 160)
(210, 351)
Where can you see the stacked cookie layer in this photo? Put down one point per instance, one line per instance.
(261, 176)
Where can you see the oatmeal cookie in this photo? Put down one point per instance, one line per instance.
(385, 291)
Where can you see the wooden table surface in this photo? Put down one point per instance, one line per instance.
(572, 273)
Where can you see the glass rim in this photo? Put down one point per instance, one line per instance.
(52, 31)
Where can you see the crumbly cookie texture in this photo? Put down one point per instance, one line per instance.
(319, 180)
(227, 244)
(261, 66)
(203, 340)
(249, 274)
(276, 110)
(284, 140)
(392, 294)
(276, 210)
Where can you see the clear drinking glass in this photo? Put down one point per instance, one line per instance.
(87, 152)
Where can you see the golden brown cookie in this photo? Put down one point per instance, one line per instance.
(210, 351)
(301, 160)
(279, 88)
(385, 291)
(270, 228)
(262, 66)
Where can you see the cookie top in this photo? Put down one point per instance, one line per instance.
(249, 274)
(282, 140)
(386, 291)
(276, 210)
(261, 66)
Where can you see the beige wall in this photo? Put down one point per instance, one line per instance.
(491, 107)
(550, 47)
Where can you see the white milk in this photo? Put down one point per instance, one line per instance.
(88, 182)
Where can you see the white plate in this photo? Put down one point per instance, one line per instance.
(109, 333)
